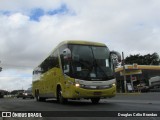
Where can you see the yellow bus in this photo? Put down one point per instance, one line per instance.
(75, 70)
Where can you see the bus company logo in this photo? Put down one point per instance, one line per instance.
(6, 114)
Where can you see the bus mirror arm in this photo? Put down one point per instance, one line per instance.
(62, 60)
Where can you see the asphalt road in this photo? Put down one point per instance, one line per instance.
(121, 104)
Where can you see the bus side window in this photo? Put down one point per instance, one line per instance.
(66, 68)
(55, 59)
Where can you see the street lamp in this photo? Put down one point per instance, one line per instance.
(0, 67)
(124, 71)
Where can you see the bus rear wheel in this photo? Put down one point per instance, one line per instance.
(95, 100)
(60, 98)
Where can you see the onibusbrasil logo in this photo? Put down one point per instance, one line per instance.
(21, 114)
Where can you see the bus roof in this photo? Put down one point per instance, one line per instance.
(81, 42)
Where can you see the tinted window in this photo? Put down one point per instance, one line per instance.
(50, 62)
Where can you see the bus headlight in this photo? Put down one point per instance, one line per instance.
(77, 85)
(112, 85)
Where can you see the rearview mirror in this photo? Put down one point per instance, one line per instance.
(67, 53)
(115, 56)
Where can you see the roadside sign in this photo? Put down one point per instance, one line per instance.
(132, 72)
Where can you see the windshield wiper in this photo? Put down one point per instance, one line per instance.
(96, 65)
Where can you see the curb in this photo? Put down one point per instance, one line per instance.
(136, 93)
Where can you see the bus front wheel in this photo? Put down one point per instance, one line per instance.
(60, 98)
(38, 98)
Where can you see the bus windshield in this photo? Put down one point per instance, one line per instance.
(91, 62)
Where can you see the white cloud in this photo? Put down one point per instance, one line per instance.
(15, 79)
(18, 5)
(129, 26)
(18, 20)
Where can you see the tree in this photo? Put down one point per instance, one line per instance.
(149, 59)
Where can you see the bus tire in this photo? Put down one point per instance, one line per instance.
(38, 98)
(95, 100)
(37, 95)
(60, 98)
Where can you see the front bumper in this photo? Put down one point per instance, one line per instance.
(78, 92)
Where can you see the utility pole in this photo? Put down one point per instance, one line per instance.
(124, 72)
(0, 67)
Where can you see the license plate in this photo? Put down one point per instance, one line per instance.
(97, 93)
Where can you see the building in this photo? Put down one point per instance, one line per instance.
(135, 75)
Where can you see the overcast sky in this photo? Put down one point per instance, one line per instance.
(30, 29)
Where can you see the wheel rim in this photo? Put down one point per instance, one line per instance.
(60, 96)
(37, 97)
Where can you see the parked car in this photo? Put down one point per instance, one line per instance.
(28, 94)
(154, 88)
(25, 94)
(145, 89)
(20, 95)
(142, 88)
